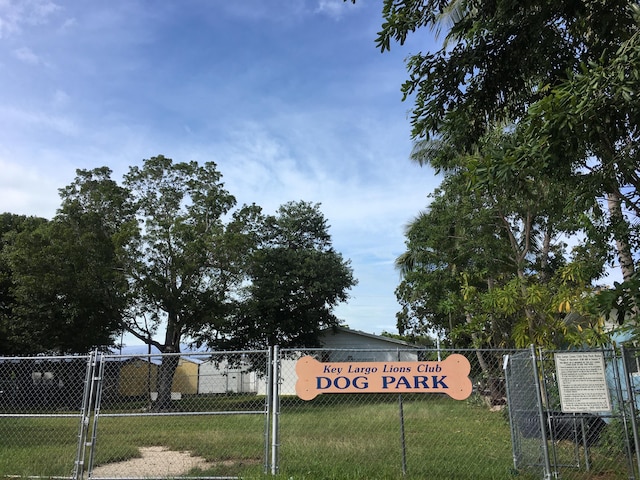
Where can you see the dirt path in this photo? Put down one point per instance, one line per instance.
(155, 462)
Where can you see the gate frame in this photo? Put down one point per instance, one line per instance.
(96, 385)
(623, 407)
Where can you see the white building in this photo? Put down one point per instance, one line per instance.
(221, 377)
(343, 345)
(338, 345)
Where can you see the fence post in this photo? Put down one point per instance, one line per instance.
(87, 400)
(275, 414)
(543, 420)
(506, 362)
(632, 408)
(403, 445)
(269, 409)
(623, 410)
(96, 409)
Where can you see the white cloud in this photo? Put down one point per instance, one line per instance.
(39, 119)
(60, 99)
(40, 10)
(16, 14)
(68, 24)
(26, 55)
(27, 190)
(334, 8)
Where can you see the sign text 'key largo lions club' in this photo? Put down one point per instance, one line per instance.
(449, 376)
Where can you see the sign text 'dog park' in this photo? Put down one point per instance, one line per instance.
(449, 376)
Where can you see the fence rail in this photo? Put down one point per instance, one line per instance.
(237, 414)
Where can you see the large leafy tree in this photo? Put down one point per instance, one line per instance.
(296, 278)
(557, 76)
(455, 236)
(180, 264)
(198, 270)
(184, 263)
(66, 296)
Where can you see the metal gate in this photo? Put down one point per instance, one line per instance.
(142, 427)
(104, 416)
(572, 413)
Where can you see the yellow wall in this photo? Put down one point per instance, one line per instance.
(135, 377)
(185, 380)
(138, 377)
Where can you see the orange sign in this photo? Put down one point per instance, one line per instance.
(450, 376)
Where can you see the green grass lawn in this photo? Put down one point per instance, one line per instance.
(444, 439)
(38, 446)
(337, 437)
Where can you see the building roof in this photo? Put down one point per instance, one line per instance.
(344, 330)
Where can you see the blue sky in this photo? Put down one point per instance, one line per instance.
(290, 98)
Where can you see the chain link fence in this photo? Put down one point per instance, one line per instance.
(417, 433)
(177, 415)
(43, 405)
(573, 413)
(239, 414)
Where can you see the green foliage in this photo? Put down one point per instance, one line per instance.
(530, 105)
(166, 257)
(621, 301)
(591, 119)
(295, 277)
(497, 57)
(65, 295)
(182, 264)
(485, 265)
(14, 335)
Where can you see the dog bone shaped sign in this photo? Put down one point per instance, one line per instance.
(449, 376)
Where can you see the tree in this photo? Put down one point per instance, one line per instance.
(185, 266)
(296, 278)
(530, 68)
(66, 293)
(15, 337)
(488, 259)
(457, 235)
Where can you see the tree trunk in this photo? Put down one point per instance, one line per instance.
(621, 235)
(165, 381)
(492, 387)
(169, 363)
(544, 253)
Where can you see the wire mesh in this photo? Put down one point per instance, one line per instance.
(218, 415)
(419, 434)
(42, 414)
(526, 414)
(202, 414)
(571, 414)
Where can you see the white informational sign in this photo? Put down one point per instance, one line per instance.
(582, 382)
